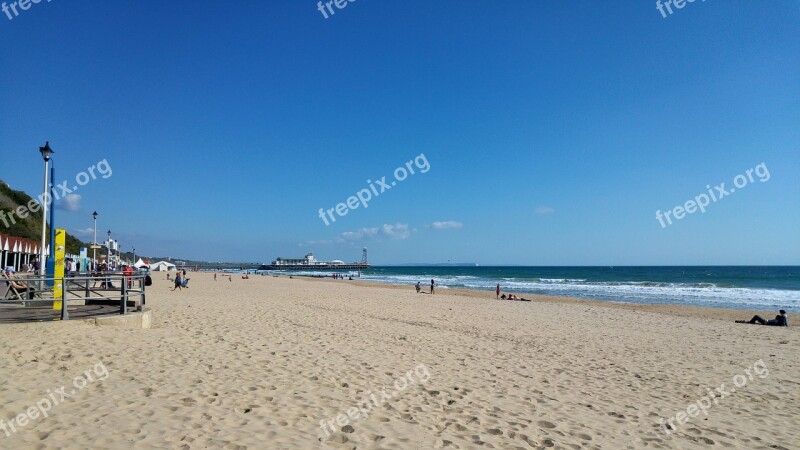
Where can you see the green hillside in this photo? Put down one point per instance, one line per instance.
(31, 226)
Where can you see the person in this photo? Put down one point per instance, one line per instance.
(432, 285)
(215, 276)
(178, 283)
(497, 291)
(781, 320)
(418, 287)
(15, 283)
(128, 272)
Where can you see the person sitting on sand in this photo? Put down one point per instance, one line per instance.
(780, 320)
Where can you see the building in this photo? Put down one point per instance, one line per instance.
(308, 260)
(18, 252)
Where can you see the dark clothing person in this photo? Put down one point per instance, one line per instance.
(778, 321)
(178, 282)
(781, 320)
(432, 284)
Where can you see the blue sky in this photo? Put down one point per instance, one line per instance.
(554, 131)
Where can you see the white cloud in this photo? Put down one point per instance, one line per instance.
(84, 232)
(387, 231)
(397, 231)
(70, 202)
(320, 242)
(544, 210)
(361, 234)
(446, 225)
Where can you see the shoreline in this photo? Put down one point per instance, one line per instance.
(672, 309)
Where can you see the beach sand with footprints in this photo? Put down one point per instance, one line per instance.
(299, 363)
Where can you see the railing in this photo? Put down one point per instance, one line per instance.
(105, 287)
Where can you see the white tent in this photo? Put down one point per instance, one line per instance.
(163, 266)
(140, 264)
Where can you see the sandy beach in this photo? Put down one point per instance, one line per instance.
(300, 363)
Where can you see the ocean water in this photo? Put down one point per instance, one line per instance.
(743, 287)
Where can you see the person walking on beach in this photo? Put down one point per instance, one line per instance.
(433, 283)
(215, 276)
(497, 291)
(178, 282)
(418, 287)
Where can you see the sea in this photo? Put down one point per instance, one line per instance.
(740, 287)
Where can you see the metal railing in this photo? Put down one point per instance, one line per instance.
(105, 287)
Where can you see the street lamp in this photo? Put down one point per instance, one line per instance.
(134, 256)
(108, 259)
(94, 242)
(46, 151)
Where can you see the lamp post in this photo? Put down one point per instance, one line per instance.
(94, 242)
(134, 256)
(46, 151)
(108, 258)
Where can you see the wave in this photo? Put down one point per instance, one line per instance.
(701, 294)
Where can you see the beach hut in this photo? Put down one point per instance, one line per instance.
(163, 266)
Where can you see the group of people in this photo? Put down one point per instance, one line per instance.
(230, 278)
(181, 281)
(419, 287)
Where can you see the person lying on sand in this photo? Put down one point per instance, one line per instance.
(780, 320)
(514, 297)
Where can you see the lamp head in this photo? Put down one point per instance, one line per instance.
(46, 151)
(94, 215)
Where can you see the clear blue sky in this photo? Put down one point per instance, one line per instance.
(553, 132)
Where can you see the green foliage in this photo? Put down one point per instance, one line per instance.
(31, 226)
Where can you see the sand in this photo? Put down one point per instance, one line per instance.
(259, 363)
